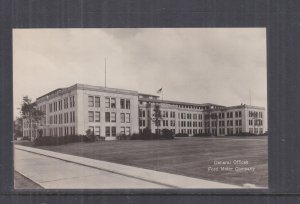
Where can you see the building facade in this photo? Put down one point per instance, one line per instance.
(191, 119)
(109, 112)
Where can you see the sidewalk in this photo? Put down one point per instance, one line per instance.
(61, 171)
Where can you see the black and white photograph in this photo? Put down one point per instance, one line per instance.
(140, 108)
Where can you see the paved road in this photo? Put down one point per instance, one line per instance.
(58, 174)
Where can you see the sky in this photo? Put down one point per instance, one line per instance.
(199, 65)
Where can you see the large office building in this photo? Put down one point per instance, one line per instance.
(109, 112)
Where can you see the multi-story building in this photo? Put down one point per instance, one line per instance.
(74, 110)
(110, 112)
(190, 118)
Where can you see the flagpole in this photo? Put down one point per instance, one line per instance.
(105, 71)
(250, 96)
(162, 94)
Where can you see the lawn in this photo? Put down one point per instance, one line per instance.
(184, 156)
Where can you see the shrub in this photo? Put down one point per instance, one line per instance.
(146, 134)
(25, 138)
(167, 134)
(243, 134)
(90, 136)
(202, 135)
(181, 135)
(101, 138)
(123, 137)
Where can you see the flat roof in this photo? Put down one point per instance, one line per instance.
(178, 102)
(51, 92)
(89, 87)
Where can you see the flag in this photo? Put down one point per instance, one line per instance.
(159, 90)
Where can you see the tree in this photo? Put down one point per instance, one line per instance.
(17, 128)
(157, 117)
(30, 112)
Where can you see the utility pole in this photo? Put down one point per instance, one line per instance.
(250, 96)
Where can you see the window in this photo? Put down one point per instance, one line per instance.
(107, 102)
(127, 118)
(71, 102)
(107, 116)
(127, 104)
(122, 130)
(113, 102)
(91, 116)
(113, 131)
(200, 116)
(127, 131)
(195, 116)
(71, 130)
(97, 116)
(107, 131)
(97, 130)
(60, 119)
(113, 117)
(122, 103)
(92, 129)
(91, 101)
(73, 117)
(59, 104)
(97, 101)
(172, 114)
(55, 106)
(122, 117)
(66, 103)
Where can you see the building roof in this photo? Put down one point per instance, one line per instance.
(88, 87)
(143, 94)
(50, 93)
(178, 102)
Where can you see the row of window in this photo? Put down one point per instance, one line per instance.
(62, 118)
(62, 104)
(256, 130)
(195, 116)
(110, 130)
(94, 116)
(256, 122)
(222, 131)
(189, 116)
(62, 131)
(255, 114)
(110, 102)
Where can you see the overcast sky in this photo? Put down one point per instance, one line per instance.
(197, 65)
